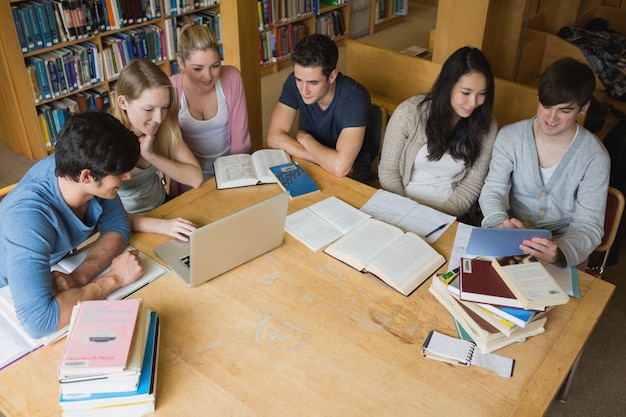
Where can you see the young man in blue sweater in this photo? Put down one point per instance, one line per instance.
(549, 172)
(58, 204)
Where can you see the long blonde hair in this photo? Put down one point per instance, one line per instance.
(195, 37)
(136, 77)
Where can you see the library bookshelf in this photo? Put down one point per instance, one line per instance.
(21, 131)
(385, 13)
(277, 22)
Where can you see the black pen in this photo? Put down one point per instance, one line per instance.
(436, 230)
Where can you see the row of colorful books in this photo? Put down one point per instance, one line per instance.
(210, 18)
(45, 23)
(274, 47)
(52, 116)
(145, 42)
(331, 24)
(64, 70)
(275, 12)
(398, 8)
(110, 359)
(177, 7)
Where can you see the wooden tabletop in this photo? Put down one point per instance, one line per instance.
(297, 333)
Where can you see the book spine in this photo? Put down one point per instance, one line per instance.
(34, 26)
(61, 74)
(20, 29)
(42, 77)
(52, 22)
(42, 23)
(34, 82)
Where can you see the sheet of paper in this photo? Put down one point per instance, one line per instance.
(567, 278)
(340, 214)
(407, 214)
(459, 248)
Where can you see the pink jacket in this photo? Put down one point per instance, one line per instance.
(232, 83)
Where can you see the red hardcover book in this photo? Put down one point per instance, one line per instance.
(479, 282)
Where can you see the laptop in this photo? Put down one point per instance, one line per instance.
(227, 243)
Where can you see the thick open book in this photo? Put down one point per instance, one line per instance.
(242, 170)
(401, 260)
(322, 223)
(462, 352)
(16, 343)
(529, 280)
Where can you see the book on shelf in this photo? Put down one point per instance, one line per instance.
(529, 281)
(408, 214)
(100, 337)
(401, 260)
(21, 35)
(41, 20)
(486, 337)
(136, 402)
(18, 343)
(292, 178)
(322, 223)
(492, 241)
(242, 170)
(449, 349)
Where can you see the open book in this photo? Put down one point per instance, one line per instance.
(401, 260)
(324, 222)
(16, 343)
(242, 170)
(408, 214)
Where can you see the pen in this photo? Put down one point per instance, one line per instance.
(436, 230)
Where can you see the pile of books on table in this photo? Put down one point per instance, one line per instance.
(496, 302)
(110, 359)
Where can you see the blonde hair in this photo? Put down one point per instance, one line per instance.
(195, 37)
(136, 77)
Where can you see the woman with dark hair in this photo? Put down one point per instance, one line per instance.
(437, 146)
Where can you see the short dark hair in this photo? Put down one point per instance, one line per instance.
(566, 81)
(316, 51)
(96, 141)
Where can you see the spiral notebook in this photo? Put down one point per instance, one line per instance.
(463, 352)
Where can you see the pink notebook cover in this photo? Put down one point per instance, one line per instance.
(100, 337)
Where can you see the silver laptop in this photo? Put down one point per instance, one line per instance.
(227, 243)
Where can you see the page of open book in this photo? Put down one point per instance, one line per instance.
(364, 242)
(311, 229)
(406, 262)
(408, 214)
(266, 158)
(340, 214)
(238, 169)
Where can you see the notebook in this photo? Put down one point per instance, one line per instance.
(227, 243)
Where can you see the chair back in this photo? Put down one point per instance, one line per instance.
(612, 218)
(4, 191)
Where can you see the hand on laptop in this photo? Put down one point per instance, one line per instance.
(178, 228)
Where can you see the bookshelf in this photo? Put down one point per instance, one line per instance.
(21, 131)
(385, 13)
(277, 20)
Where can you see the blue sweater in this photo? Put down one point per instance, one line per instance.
(571, 205)
(37, 229)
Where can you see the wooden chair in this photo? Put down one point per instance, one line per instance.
(612, 220)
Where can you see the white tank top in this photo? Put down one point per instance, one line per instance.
(207, 139)
(432, 181)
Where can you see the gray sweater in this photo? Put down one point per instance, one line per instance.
(405, 136)
(571, 205)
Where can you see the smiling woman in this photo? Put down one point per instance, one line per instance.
(146, 104)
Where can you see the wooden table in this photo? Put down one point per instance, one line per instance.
(297, 333)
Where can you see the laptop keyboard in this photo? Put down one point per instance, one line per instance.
(186, 260)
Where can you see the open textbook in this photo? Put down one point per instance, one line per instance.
(401, 260)
(322, 223)
(243, 170)
(15, 342)
(407, 214)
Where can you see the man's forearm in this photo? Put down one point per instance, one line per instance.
(101, 253)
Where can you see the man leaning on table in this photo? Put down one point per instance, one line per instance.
(334, 113)
(552, 172)
(58, 204)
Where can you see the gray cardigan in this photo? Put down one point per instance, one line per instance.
(405, 136)
(571, 204)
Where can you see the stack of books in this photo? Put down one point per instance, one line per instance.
(496, 302)
(110, 359)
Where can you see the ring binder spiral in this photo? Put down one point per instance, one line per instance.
(463, 352)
